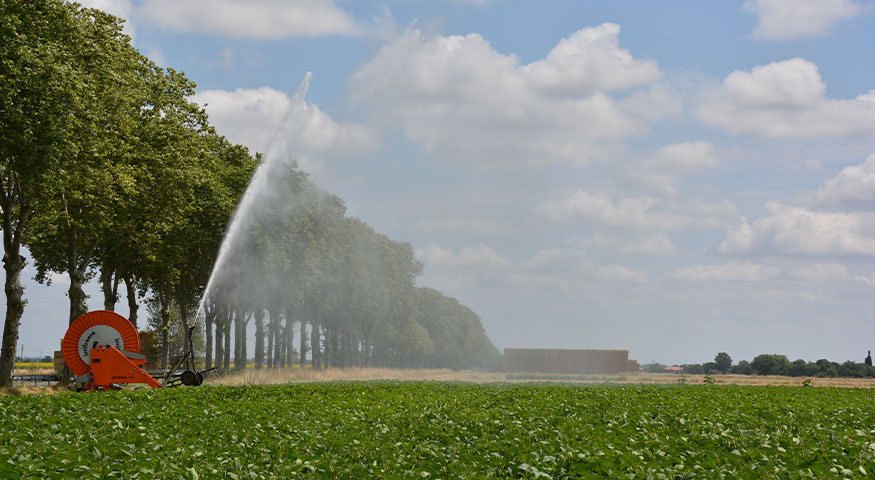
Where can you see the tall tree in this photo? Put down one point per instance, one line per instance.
(82, 194)
(723, 361)
(52, 54)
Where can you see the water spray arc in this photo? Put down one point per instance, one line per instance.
(277, 162)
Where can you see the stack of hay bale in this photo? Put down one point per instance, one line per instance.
(554, 360)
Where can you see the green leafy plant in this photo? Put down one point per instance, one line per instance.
(441, 430)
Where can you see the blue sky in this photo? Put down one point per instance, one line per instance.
(673, 178)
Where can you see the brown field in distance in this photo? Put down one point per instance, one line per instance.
(291, 376)
(272, 377)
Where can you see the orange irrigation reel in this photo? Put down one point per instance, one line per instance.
(102, 349)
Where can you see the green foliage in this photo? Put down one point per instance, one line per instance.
(694, 369)
(742, 368)
(770, 364)
(178, 341)
(428, 430)
(653, 368)
(723, 362)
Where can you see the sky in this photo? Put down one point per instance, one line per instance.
(672, 178)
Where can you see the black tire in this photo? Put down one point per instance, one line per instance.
(189, 378)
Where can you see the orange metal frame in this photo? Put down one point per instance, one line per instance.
(130, 338)
(109, 366)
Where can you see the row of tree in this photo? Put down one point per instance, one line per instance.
(106, 168)
(774, 364)
(323, 286)
(109, 172)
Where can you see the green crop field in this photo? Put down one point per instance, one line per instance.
(435, 430)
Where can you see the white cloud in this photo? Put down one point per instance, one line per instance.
(599, 208)
(659, 245)
(870, 280)
(58, 278)
(686, 157)
(793, 230)
(464, 226)
(655, 103)
(636, 212)
(737, 272)
(253, 117)
(462, 100)
(662, 171)
(569, 256)
(478, 256)
(155, 54)
(619, 273)
(119, 8)
(254, 19)
(853, 187)
(820, 272)
(790, 19)
(786, 99)
(591, 60)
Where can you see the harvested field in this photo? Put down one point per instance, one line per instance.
(297, 375)
(274, 377)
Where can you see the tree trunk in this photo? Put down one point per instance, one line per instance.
(163, 302)
(244, 358)
(109, 285)
(303, 341)
(270, 335)
(282, 342)
(314, 345)
(259, 338)
(13, 263)
(325, 353)
(290, 339)
(226, 361)
(244, 324)
(76, 294)
(208, 331)
(131, 288)
(77, 276)
(220, 342)
(237, 343)
(183, 316)
(277, 337)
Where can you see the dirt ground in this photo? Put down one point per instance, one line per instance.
(284, 376)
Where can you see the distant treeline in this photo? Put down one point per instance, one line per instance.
(774, 364)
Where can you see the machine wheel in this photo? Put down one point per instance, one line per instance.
(190, 378)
